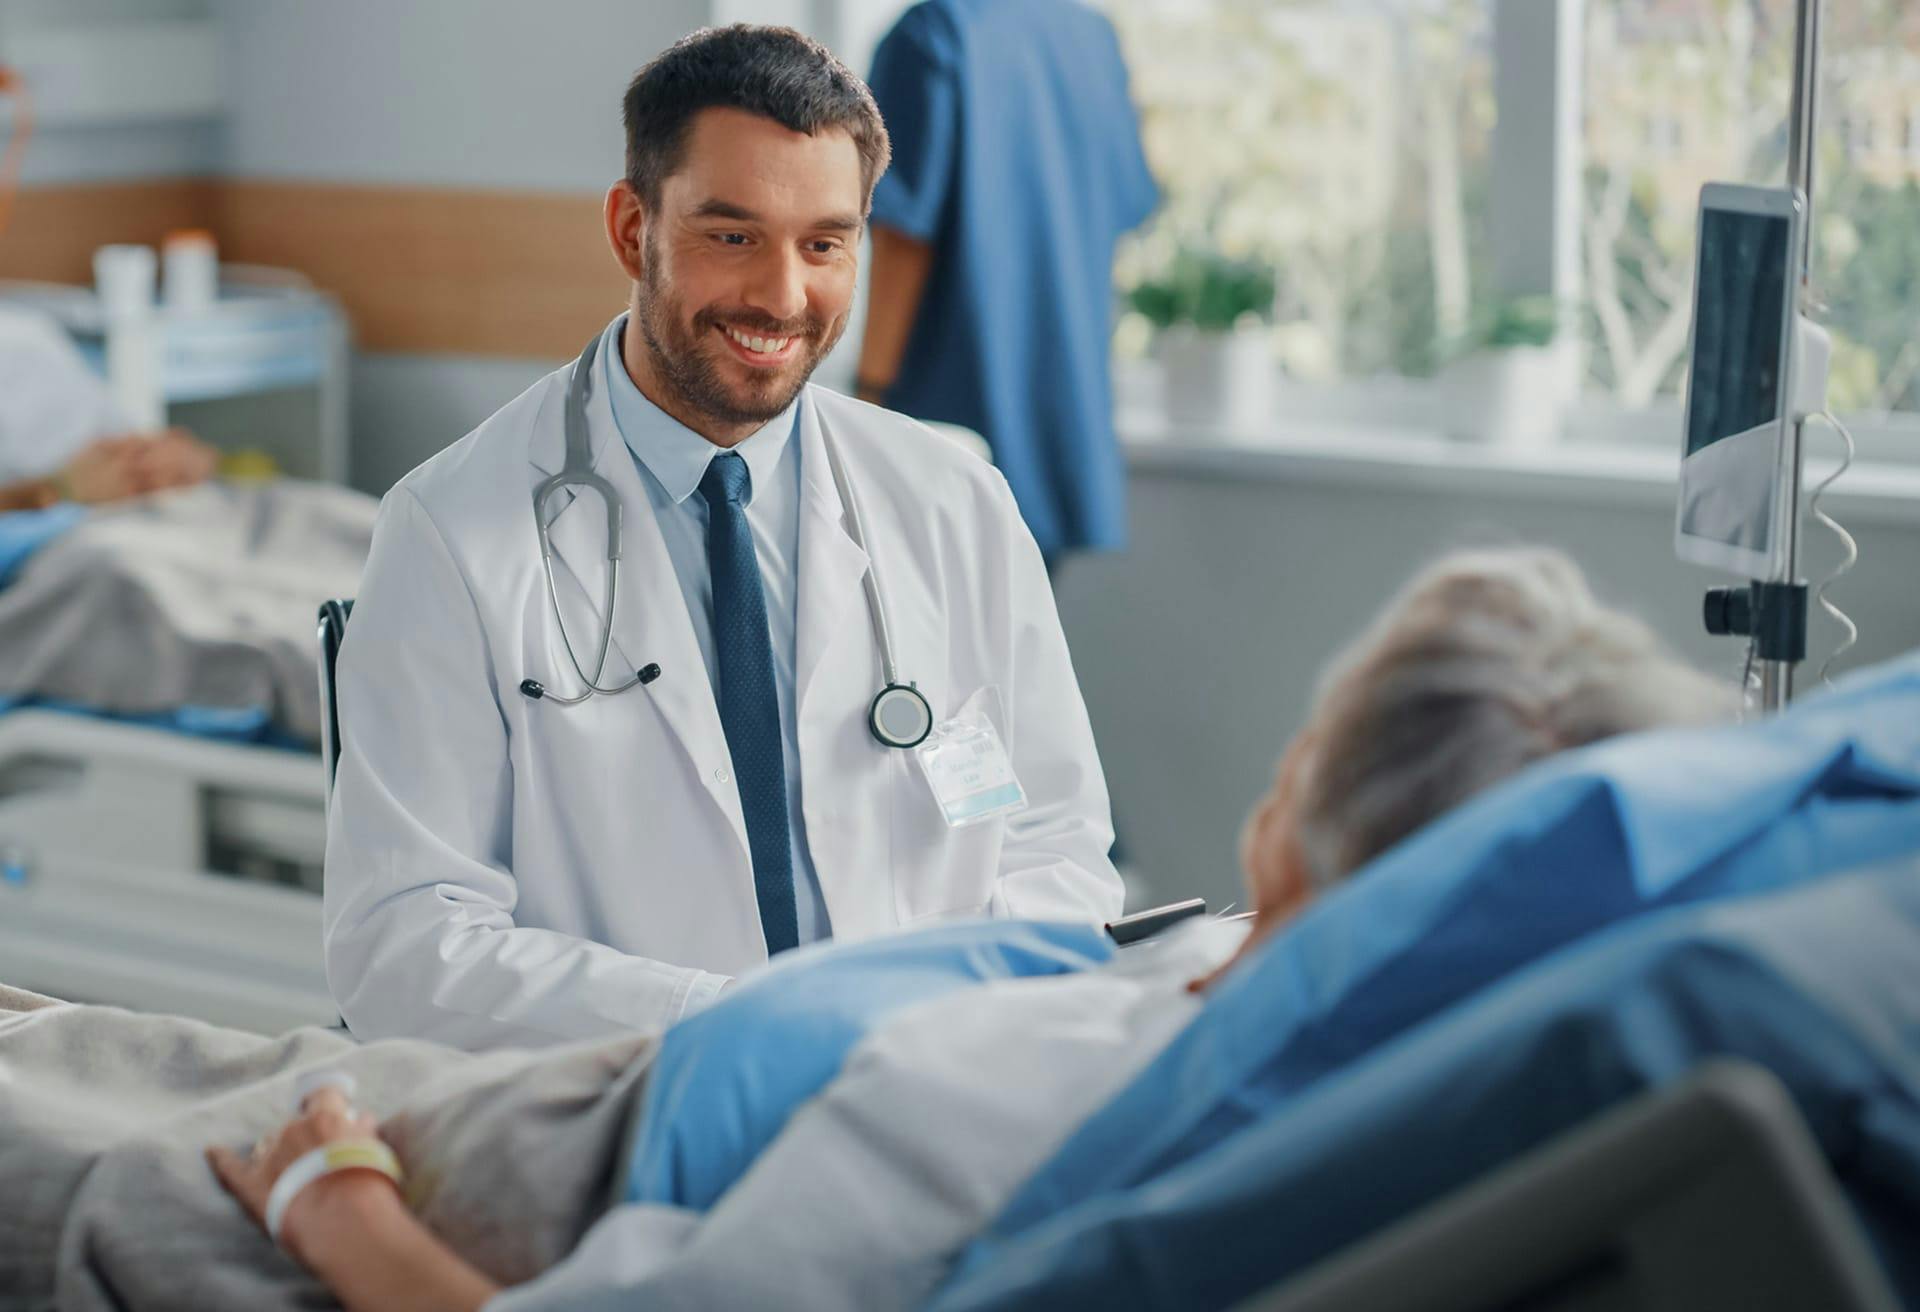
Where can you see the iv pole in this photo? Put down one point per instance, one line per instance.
(1772, 613)
(1776, 676)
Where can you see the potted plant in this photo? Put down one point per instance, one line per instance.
(1510, 387)
(1210, 316)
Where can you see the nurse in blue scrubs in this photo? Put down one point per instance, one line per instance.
(1017, 166)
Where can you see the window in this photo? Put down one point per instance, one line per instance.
(1722, 71)
(1342, 145)
(1346, 145)
(1859, 127)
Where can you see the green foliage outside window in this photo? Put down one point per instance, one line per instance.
(1207, 290)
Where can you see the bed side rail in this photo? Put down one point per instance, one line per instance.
(1709, 1196)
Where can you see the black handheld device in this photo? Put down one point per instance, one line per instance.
(1154, 920)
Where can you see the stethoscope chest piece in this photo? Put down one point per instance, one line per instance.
(900, 716)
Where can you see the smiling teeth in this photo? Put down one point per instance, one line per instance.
(760, 345)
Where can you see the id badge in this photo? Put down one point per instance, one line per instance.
(967, 768)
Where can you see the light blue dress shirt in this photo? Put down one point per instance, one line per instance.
(672, 459)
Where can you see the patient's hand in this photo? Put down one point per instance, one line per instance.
(325, 1117)
(116, 468)
(352, 1229)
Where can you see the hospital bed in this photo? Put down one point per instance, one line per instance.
(1710, 1192)
(145, 838)
(147, 867)
(1706, 1197)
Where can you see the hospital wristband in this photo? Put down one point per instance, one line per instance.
(328, 1159)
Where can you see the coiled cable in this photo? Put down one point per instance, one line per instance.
(1849, 546)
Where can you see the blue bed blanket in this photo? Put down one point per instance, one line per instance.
(222, 724)
(1820, 984)
(726, 1081)
(1603, 837)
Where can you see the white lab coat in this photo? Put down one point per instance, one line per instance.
(509, 871)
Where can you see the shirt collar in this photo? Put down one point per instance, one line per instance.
(674, 454)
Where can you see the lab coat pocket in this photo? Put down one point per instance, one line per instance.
(939, 870)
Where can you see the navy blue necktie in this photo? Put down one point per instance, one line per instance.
(749, 705)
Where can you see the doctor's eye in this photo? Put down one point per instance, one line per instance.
(823, 246)
(731, 238)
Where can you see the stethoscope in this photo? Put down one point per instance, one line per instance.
(899, 715)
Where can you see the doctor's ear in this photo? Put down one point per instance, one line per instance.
(626, 219)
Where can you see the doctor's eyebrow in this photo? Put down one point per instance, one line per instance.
(721, 209)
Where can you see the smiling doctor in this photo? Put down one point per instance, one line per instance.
(678, 662)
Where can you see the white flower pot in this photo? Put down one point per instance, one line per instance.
(1217, 381)
(1515, 396)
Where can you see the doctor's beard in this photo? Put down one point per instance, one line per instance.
(688, 357)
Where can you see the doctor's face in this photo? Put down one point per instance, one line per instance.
(745, 271)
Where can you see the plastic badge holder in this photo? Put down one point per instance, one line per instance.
(967, 768)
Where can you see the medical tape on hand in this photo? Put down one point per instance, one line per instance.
(328, 1159)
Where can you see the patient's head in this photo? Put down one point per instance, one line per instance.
(1486, 662)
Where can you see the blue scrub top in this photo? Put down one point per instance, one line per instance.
(1016, 155)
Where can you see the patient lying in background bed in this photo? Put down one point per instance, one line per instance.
(131, 583)
(641, 1173)
(63, 439)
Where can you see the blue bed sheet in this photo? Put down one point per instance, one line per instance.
(727, 1080)
(1586, 841)
(1819, 984)
(225, 724)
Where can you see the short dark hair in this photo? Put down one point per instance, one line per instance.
(774, 72)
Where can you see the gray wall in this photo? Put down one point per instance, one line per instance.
(1198, 647)
(406, 407)
(458, 93)
(492, 94)
(384, 93)
(63, 153)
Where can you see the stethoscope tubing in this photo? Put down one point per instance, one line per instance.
(576, 471)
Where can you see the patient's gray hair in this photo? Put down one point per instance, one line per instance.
(1484, 663)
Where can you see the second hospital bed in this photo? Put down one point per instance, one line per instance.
(162, 810)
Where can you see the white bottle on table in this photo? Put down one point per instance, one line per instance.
(123, 278)
(189, 271)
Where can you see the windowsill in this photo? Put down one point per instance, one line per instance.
(1405, 459)
(1393, 433)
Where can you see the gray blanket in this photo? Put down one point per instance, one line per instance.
(107, 1203)
(201, 597)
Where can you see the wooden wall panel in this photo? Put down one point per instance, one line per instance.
(418, 269)
(54, 230)
(430, 270)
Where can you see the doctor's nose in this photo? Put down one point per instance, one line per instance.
(778, 288)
